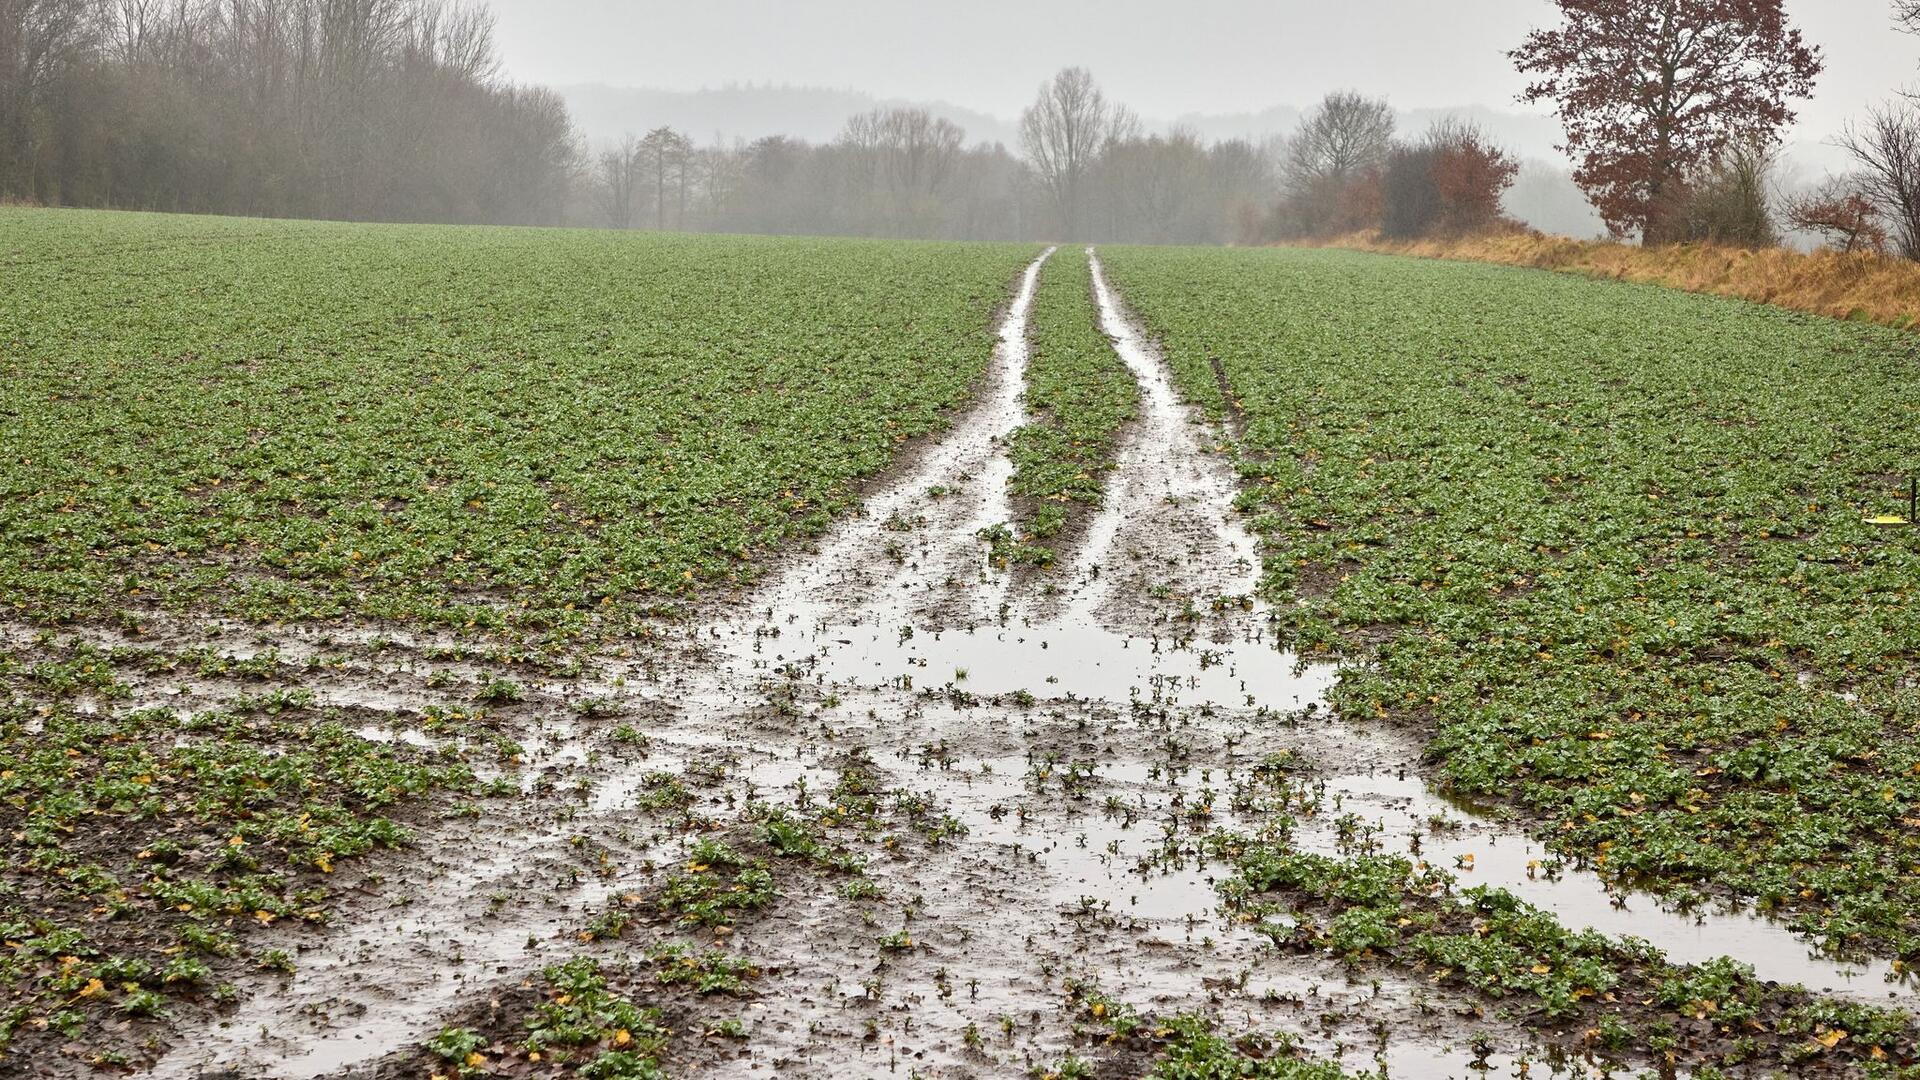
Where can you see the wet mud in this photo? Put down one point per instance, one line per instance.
(1015, 780)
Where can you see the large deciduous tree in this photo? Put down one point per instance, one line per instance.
(1331, 172)
(665, 151)
(1064, 132)
(1346, 135)
(1650, 90)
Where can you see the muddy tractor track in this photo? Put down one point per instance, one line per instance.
(1017, 783)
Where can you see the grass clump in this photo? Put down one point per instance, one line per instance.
(1625, 997)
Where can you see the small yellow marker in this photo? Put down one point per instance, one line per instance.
(1913, 508)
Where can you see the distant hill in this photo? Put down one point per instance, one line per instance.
(749, 111)
(1253, 126)
(817, 114)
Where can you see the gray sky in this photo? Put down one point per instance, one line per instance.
(1163, 57)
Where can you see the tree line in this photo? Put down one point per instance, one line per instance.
(903, 172)
(398, 110)
(357, 109)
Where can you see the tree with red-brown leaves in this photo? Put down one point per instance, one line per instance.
(1847, 219)
(1649, 90)
(1471, 174)
(1449, 183)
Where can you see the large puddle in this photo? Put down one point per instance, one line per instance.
(1248, 690)
(1050, 662)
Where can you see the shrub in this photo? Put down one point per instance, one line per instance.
(1449, 183)
(1726, 203)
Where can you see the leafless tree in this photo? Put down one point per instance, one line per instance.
(1156, 186)
(1729, 201)
(919, 151)
(455, 42)
(717, 176)
(132, 26)
(1242, 179)
(617, 182)
(1063, 133)
(1345, 135)
(1886, 147)
(1332, 167)
(898, 164)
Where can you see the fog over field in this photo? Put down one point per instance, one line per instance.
(1223, 69)
(1226, 67)
(1219, 59)
(781, 118)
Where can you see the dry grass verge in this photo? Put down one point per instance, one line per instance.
(1863, 287)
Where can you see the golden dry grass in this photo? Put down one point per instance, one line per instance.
(1867, 287)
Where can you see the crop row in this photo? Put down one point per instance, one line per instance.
(1078, 394)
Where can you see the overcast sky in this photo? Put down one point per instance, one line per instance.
(1164, 57)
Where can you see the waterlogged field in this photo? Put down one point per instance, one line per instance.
(1605, 544)
(454, 653)
(496, 430)
(444, 426)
